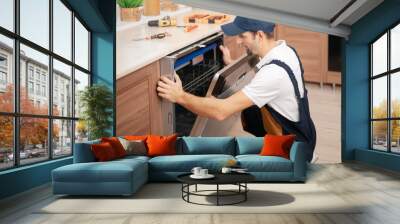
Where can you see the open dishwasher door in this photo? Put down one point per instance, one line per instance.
(225, 83)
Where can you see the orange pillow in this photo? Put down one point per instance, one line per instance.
(116, 145)
(277, 145)
(161, 145)
(103, 152)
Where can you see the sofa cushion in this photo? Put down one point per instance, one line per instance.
(277, 145)
(257, 163)
(134, 147)
(103, 152)
(249, 145)
(116, 145)
(112, 171)
(185, 163)
(83, 152)
(206, 145)
(161, 145)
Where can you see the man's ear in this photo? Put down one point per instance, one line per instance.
(260, 34)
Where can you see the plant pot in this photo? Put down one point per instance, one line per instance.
(151, 7)
(131, 14)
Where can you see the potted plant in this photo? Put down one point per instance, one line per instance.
(96, 102)
(130, 9)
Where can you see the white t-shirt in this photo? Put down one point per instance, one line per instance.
(271, 85)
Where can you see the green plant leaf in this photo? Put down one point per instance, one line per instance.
(130, 3)
(97, 104)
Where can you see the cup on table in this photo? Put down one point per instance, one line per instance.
(226, 170)
(203, 172)
(196, 171)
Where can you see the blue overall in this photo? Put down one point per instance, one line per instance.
(304, 129)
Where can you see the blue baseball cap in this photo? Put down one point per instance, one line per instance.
(242, 24)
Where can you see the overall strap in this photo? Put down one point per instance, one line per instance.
(288, 68)
(291, 76)
(301, 66)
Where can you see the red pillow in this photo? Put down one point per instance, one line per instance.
(116, 145)
(161, 145)
(103, 151)
(277, 145)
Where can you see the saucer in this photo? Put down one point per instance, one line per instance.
(208, 176)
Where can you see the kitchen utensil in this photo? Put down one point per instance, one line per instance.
(154, 36)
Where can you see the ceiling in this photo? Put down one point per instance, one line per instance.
(328, 16)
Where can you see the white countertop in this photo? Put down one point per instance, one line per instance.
(132, 55)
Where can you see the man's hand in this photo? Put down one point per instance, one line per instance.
(226, 54)
(169, 89)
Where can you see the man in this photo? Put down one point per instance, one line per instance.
(274, 102)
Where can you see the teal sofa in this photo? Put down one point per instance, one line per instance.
(125, 176)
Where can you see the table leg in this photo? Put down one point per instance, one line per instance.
(196, 188)
(245, 193)
(217, 194)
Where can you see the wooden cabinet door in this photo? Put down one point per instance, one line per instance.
(138, 106)
(312, 48)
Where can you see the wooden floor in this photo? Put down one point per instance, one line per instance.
(378, 189)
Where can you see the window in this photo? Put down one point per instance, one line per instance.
(37, 89)
(3, 72)
(3, 61)
(3, 78)
(44, 91)
(45, 131)
(30, 87)
(30, 72)
(385, 91)
(37, 74)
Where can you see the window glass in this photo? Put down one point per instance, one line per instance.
(62, 91)
(81, 131)
(35, 21)
(379, 135)
(39, 61)
(379, 98)
(379, 56)
(6, 75)
(33, 140)
(81, 45)
(395, 136)
(395, 95)
(7, 14)
(62, 29)
(81, 82)
(395, 47)
(62, 138)
(6, 142)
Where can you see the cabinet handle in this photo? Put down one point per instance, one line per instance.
(169, 118)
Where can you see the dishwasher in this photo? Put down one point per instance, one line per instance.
(200, 67)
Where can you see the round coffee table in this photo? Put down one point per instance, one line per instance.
(238, 179)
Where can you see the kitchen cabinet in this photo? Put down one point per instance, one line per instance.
(312, 48)
(138, 105)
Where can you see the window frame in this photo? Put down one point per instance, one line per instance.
(388, 74)
(16, 114)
